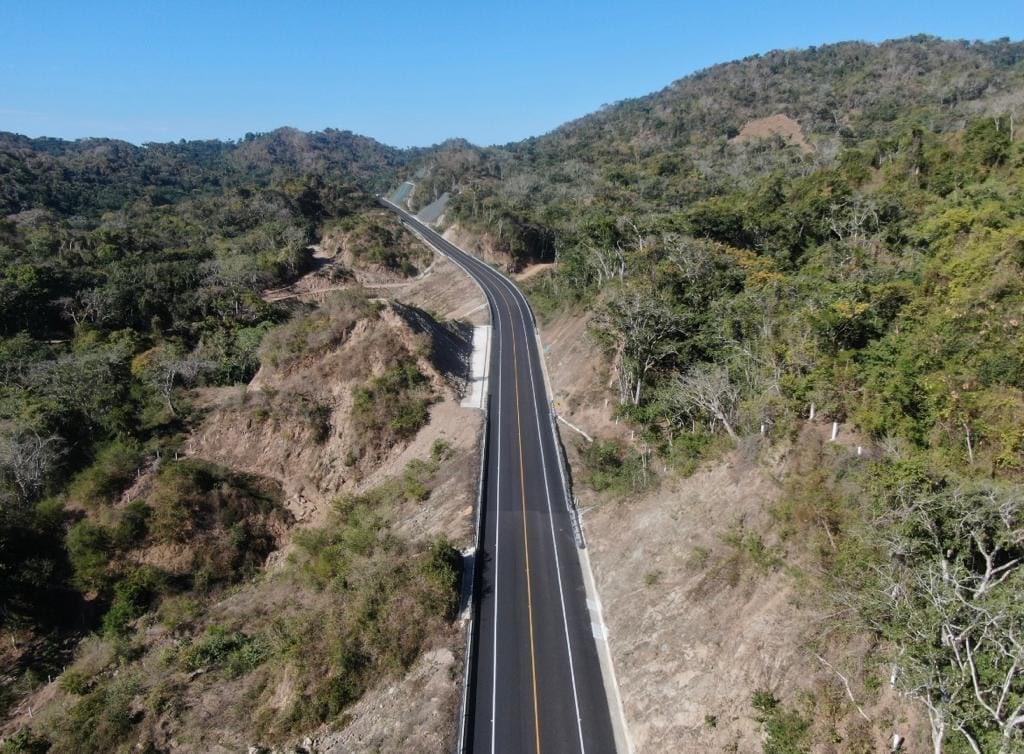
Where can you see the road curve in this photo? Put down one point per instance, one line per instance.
(535, 679)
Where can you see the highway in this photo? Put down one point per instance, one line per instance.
(535, 682)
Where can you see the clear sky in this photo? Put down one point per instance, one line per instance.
(406, 73)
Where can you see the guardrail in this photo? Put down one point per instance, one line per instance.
(563, 467)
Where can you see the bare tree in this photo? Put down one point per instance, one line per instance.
(706, 391)
(90, 305)
(947, 597)
(27, 459)
(693, 258)
(169, 366)
(643, 327)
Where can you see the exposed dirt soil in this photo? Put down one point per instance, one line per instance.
(533, 270)
(255, 429)
(482, 245)
(696, 625)
(446, 292)
(779, 125)
(580, 378)
(251, 430)
(416, 715)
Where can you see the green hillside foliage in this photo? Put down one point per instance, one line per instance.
(871, 267)
(865, 258)
(129, 276)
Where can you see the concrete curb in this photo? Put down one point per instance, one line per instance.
(623, 741)
(470, 645)
(470, 650)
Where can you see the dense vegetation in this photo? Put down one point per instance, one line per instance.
(378, 241)
(353, 604)
(870, 272)
(129, 273)
(129, 276)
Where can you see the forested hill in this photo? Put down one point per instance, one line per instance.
(836, 231)
(658, 153)
(121, 263)
(847, 90)
(90, 176)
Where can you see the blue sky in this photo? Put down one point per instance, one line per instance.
(405, 73)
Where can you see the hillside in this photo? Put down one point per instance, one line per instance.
(758, 256)
(214, 442)
(90, 176)
(782, 297)
(654, 155)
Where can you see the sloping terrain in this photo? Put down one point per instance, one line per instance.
(294, 420)
(852, 258)
(700, 590)
(214, 443)
(287, 573)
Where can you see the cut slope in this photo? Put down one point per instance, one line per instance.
(295, 421)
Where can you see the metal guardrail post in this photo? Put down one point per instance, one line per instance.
(570, 501)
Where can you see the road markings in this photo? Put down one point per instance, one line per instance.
(497, 541)
(504, 285)
(551, 522)
(526, 538)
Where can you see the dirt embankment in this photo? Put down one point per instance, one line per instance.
(293, 422)
(293, 428)
(779, 125)
(702, 603)
(372, 249)
(483, 245)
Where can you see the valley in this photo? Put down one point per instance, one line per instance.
(778, 307)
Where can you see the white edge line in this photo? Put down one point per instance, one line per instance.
(497, 550)
(589, 583)
(588, 577)
(496, 323)
(520, 302)
(551, 524)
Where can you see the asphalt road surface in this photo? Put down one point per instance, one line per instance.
(535, 682)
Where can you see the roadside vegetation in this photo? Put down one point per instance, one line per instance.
(377, 240)
(354, 604)
(132, 280)
(391, 407)
(868, 272)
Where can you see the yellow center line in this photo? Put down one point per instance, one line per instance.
(526, 541)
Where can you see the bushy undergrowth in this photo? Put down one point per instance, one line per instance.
(786, 730)
(391, 408)
(391, 596)
(316, 330)
(614, 468)
(378, 240)
(384, 600)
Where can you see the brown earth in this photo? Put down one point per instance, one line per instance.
(696, 624)
(445, 292)
(483, 245)
(251, 429)
(779, 125)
